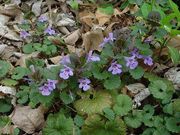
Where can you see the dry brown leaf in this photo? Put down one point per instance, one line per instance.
(56, 60)
(87, 17)
(22, 61)
(65, 20)
(173, 75)
(8, 90)
(92, 40)
(102, 18)
(78, 51)
(8, 129)
(28, 119)
(73, 37)
(117, 12)
(135, 88)
(36, 7)
(140, 97)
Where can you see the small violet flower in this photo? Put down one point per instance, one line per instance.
(110, 38)
(42, 19)
(50, 31)
(65, 60)
(136, 54)
(92, 57)
(24, 34)
(45, 90)
(148, 60)
(115, 68)
(48, 87)
(84, 84)
(52, 84)
(131, 62)
(66, 72)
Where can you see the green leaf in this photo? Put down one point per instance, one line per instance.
(158, 121)
(5, 105)
(67, 98)
(94, 125)
(145, 9)
(161, 131)
(19, 73)
(74, 4)
(9, 82)
(93, 103)
(175, 55)
(4, 68)
(99, 75)
(78, 120)
(58, 124)
(106, 9)
(158, 89)
(172, 124)
(28, 48)
(109, 113)
(4, 120)
(176, 105)
(23, 94)
(134, 120)
(148, 131)
(123, 105)
(137, 73)
(113, 82)
(148, 111)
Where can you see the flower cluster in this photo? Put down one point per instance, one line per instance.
(115, 68)
(92, 57)
(48, 87)
(42, 19)
(66, 72)
(84, 84)
(108, 39)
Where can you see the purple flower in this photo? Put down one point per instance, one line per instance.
(110, 38)
(136, 54)
(50, 31)
(148, 60)
(45, 90)
(42, 19)
(24, 34)
(52, 84)
(84, 84)
(65, 60)
(66, 72)
(115, 68)
(92, 57)
(131, 62)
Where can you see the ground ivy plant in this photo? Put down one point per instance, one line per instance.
(87, 89)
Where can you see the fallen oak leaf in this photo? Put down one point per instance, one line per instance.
(102, 17)
(28, 119)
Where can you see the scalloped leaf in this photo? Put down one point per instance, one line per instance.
(134, 120)
(93, 103)
(172, 124)
(58, 124)
(123, 105)
(94, 125)
(4, 68)
(113, 82)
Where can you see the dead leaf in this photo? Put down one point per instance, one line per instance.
(78, 51)
(22, 61)
(8, 90)
(65, 20)
(135, 88)
(87, 17)
(28, 119)
(73, 37)
(102, 18)
(117, 12)
(92, 40)
(56, 59)
(173, 75)
(36, 7)
(140, 97)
